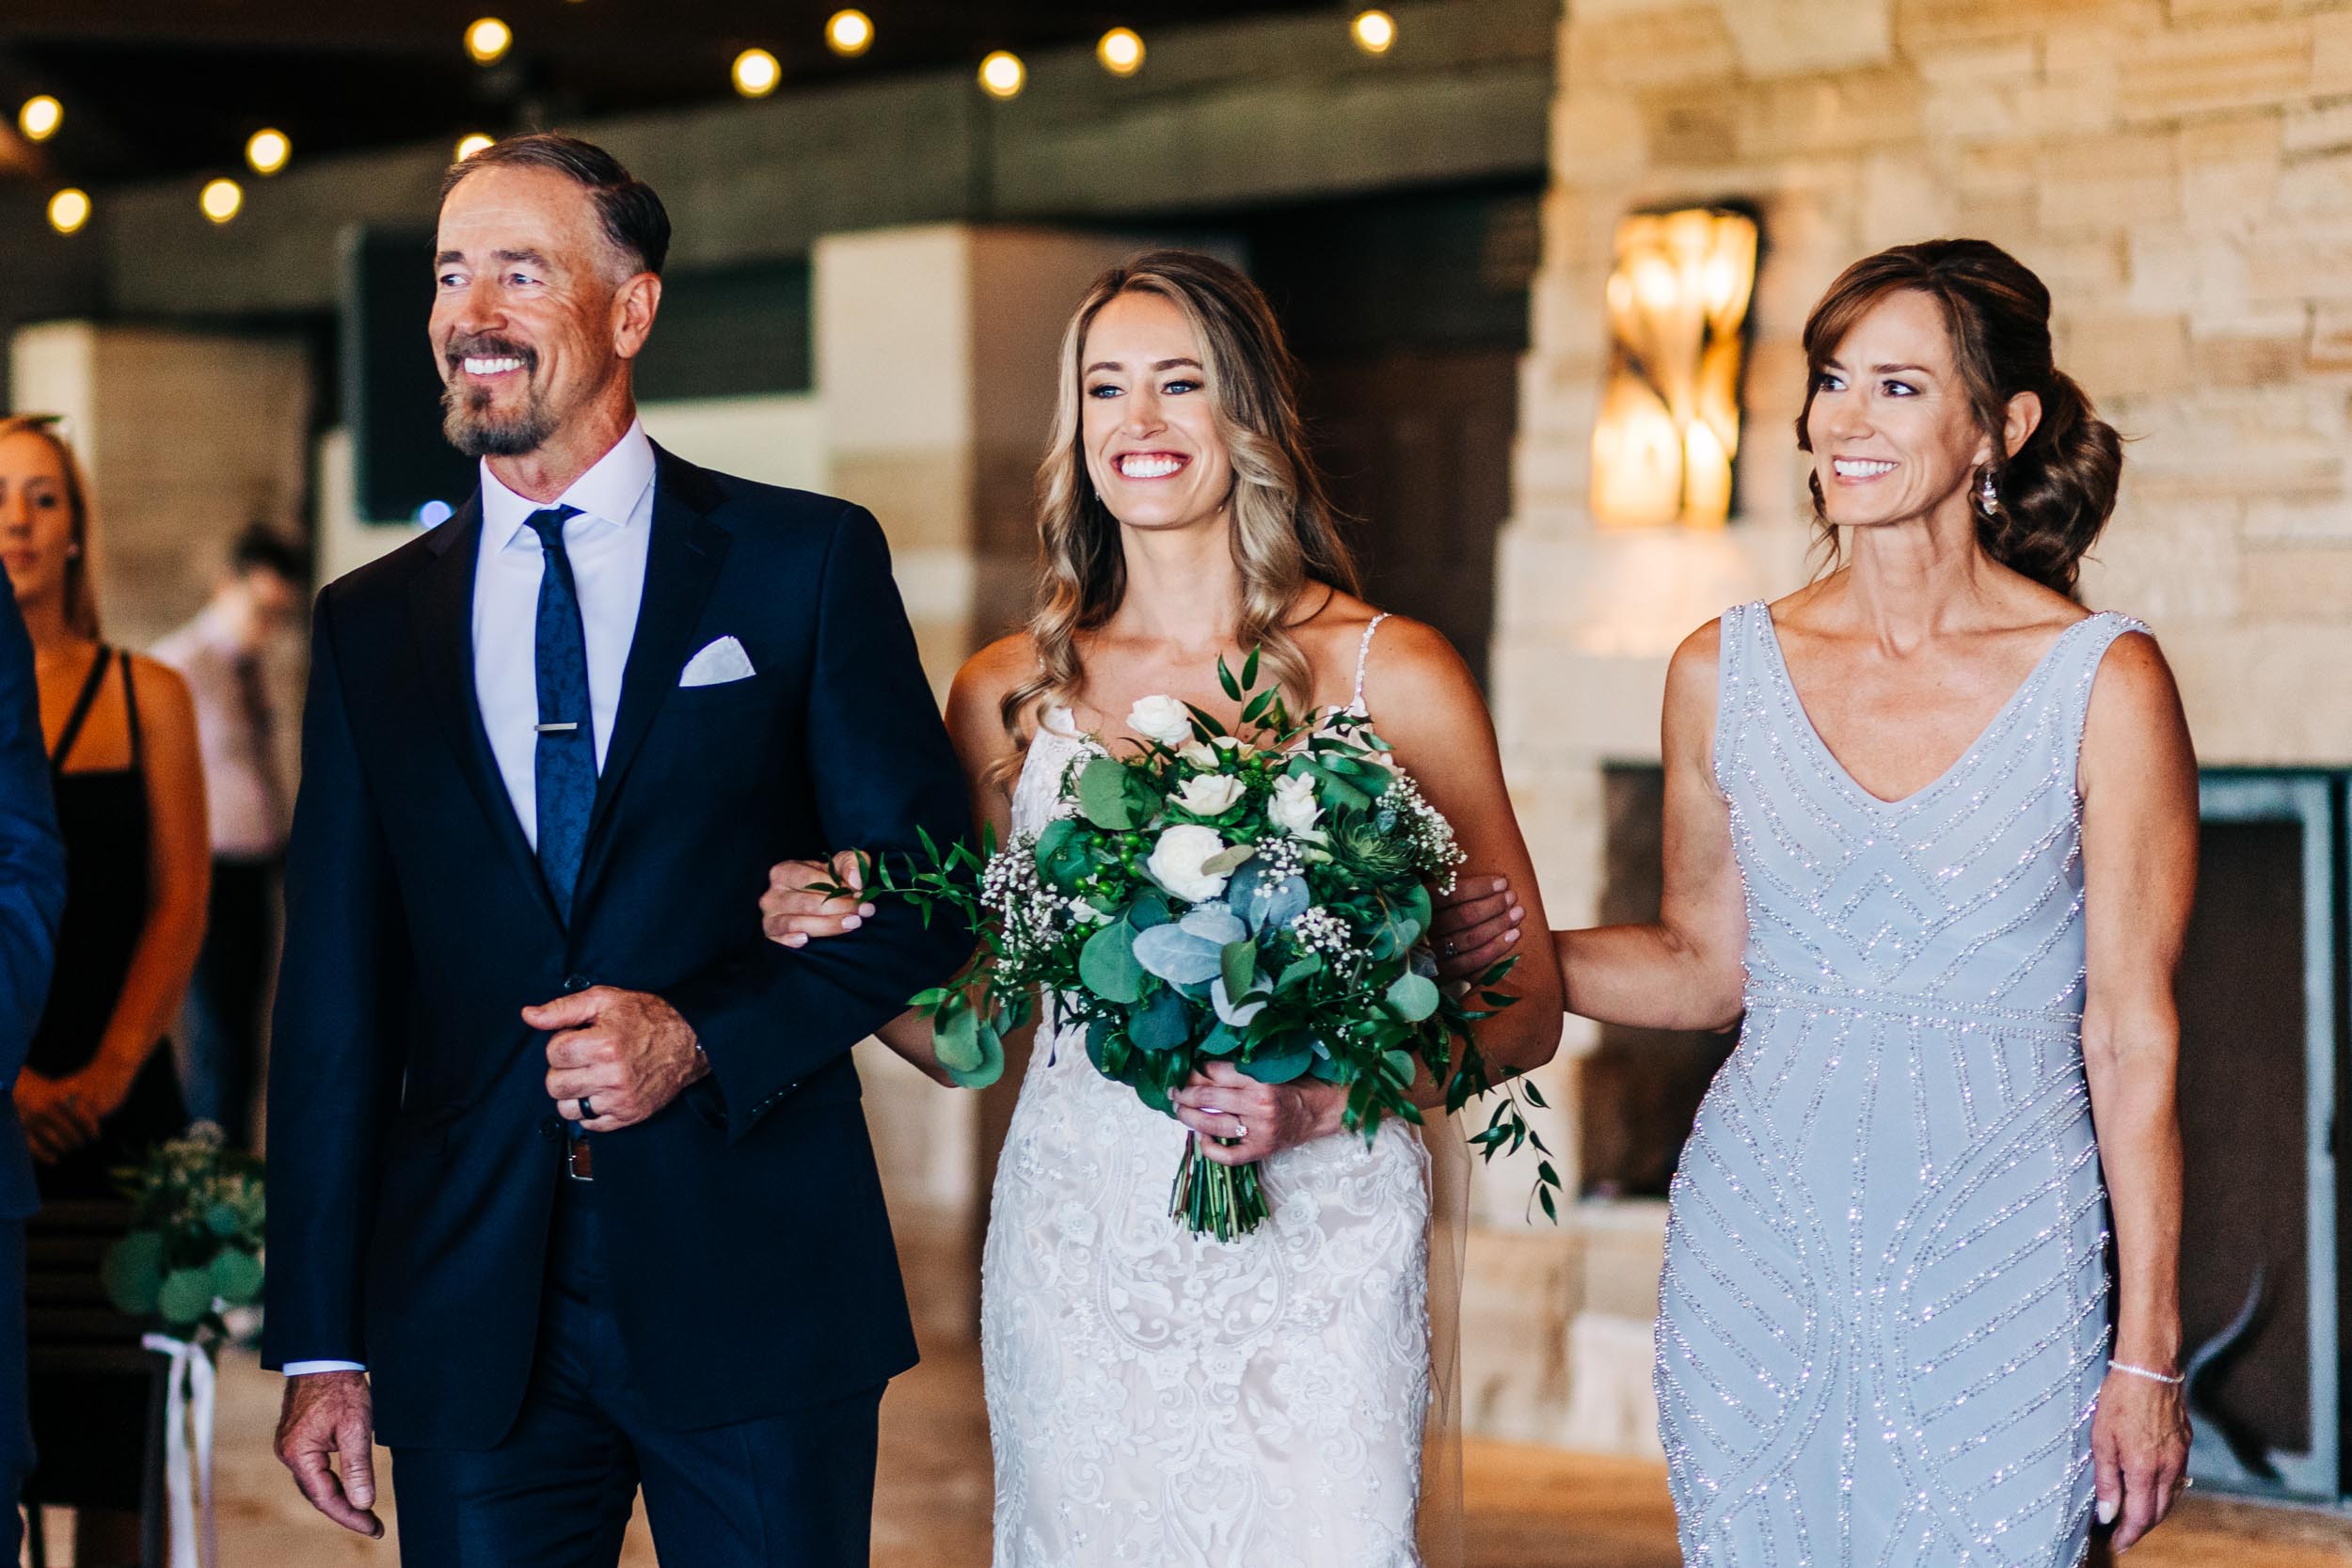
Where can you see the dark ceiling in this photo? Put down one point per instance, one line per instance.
(155, 88)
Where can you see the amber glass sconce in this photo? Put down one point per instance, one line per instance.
(1669, 423)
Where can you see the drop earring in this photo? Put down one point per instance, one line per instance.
(1988, 493)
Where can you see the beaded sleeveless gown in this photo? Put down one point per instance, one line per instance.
(1884, 1312)
(1160, 1399)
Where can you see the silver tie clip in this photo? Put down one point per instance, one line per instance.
(555, 729)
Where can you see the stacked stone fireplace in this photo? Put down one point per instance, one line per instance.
(2181, 175)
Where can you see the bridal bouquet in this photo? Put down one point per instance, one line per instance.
(1256, 895)
(194, 1250)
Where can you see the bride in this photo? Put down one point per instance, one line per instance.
(1156, 1397)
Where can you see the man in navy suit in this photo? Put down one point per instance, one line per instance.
(32, 897)
(570, 1186)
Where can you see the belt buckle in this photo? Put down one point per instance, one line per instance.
(579, 1163)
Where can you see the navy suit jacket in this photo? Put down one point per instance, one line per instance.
(32, 895)
(413, 1148)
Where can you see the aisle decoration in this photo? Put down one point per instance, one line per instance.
(192, 1255)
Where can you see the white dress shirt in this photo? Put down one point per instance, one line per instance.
(247, 787)
(608, 543)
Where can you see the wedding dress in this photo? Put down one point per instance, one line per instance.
(1167, 1401)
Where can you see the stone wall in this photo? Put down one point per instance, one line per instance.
(2181, 175)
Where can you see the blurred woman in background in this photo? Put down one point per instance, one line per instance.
(96, 1092)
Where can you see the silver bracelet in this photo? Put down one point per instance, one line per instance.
(2143, 1371)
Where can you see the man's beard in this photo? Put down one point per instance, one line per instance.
(466, 417)
(474, 430)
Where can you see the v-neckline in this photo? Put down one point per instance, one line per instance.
(1845, 775)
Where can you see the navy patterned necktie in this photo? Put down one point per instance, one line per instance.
(566, 761)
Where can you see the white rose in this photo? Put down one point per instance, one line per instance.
(1208, 794)
(1177, 860)
(1199, 755)
(1292, 807)
(1161, 719)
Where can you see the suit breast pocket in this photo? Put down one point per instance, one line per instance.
(722, 697)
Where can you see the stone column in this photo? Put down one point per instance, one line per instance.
(936, 351)
(187, 438)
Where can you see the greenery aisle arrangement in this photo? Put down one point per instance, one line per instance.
(1257, 896)
(194, 1250)
(192, 1255)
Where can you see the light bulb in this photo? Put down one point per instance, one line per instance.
(757, 74)
(488, 40)
(220, 200)
(267, 151)
(1003, 75)
(469, 146)
(849, 34)
(68, 211)
(39, 117)
(1121, 52)
(1374, 31)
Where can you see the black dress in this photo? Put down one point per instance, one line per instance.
(103, 818)
(91, 1392)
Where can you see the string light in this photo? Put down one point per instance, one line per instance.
(39, 117)
(757, 74)
(1003, 75)
(68, 211)
(1374, 31)
(469, 146)
(1121, 52)
(220, 200)
(267, 151)
(849, 34)
(488, 40)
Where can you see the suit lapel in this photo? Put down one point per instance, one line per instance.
(682, 561)
(441, 614)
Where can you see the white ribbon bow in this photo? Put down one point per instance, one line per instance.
(188, 1475)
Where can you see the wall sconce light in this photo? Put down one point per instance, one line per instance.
(1669, 422)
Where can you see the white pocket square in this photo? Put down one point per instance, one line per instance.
(720, 662)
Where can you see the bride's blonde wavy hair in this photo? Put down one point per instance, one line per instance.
(1281, 522)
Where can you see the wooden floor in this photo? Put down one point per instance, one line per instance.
(1526, 1507)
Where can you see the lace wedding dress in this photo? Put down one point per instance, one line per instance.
(1168, 1401)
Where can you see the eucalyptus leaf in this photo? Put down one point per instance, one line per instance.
(1171, 952)
(1103, 796)
(1237, 1015)
(1413, 997)
(1062, 856)
(1279, 1067)
(133, 1271)
(1165, 1025)
(1282, 903)
(186, 1295)
(991, 1063)
(1214, 922)
(1227, 861)
(1107, 964)
(1220, 1042)
(236, 1277)
(955, 1038)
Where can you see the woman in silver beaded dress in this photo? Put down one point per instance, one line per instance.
(1931, 826)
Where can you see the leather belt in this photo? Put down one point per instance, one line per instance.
(580, 1161)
